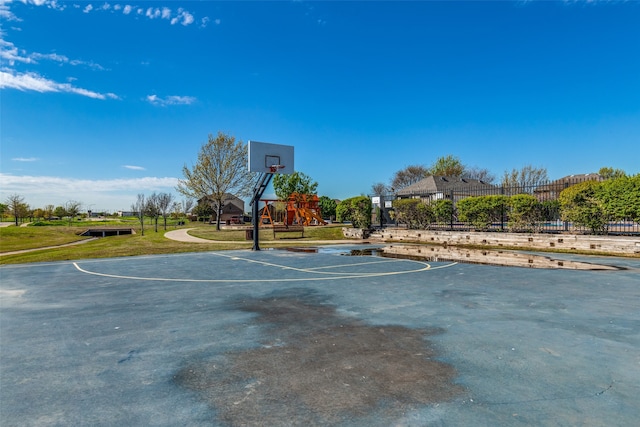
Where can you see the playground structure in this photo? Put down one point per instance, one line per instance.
(301, 209)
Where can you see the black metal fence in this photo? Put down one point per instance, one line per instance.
(549, 217)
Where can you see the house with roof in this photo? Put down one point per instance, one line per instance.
(232, 207)
(435, 187)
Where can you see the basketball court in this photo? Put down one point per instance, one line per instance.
(328, 336)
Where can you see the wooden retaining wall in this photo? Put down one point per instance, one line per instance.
(597, 244)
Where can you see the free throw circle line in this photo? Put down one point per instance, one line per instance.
(316, 269)
(427, 267)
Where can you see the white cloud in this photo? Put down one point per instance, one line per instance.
(182, 16)
(187, 18)
(5, 12)
(171, 100)
(25, 159)
(135, 168)
(107, 194)
(152, 13)
(10, 53)
(205, 21)
(35, 82)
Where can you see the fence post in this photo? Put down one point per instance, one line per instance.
(502, 209)
(453, 210)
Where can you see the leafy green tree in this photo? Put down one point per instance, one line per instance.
(284, 185)
(203, 210)
(60, 212)
(3, 209)
(611, 173)
(327, 207)
(221, 169)
(581, 204)
(38, 213)
(355, 209)
(447, 166)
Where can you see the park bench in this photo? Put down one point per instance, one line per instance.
(288, 229)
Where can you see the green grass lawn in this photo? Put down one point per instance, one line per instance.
(20, 238)
(327, 232)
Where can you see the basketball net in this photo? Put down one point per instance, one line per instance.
(274, 168)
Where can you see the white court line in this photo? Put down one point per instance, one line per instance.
(315, 269)
(338, 276)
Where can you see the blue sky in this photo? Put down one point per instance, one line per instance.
(101, 100)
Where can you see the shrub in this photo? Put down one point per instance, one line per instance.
(550, 210)
(582, 204)
(621, 198)
(414, 212)
(524, 212)
(443, 210)
(482, 211)
(355, 209)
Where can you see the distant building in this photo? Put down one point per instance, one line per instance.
(127, 213)
(436, 187)
(552, 190)
(232, 207)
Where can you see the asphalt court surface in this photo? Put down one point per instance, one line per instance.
(281, 337)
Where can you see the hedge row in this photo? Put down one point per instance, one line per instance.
(590, 204)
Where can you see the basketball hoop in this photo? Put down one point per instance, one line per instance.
(274, 168)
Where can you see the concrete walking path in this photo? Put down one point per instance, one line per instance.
(182, 235)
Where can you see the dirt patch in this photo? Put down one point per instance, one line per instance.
(317, 366)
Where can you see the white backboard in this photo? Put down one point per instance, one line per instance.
(263, 156)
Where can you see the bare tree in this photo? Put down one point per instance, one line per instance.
(407, 176)
(152, 209)
(379, 189)
(481, 174)
(164, 203)
(221, 169)
(138, 209)
(72, 208)
(187, 205)
(15, 204)
(524, 180)
(48, 211)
